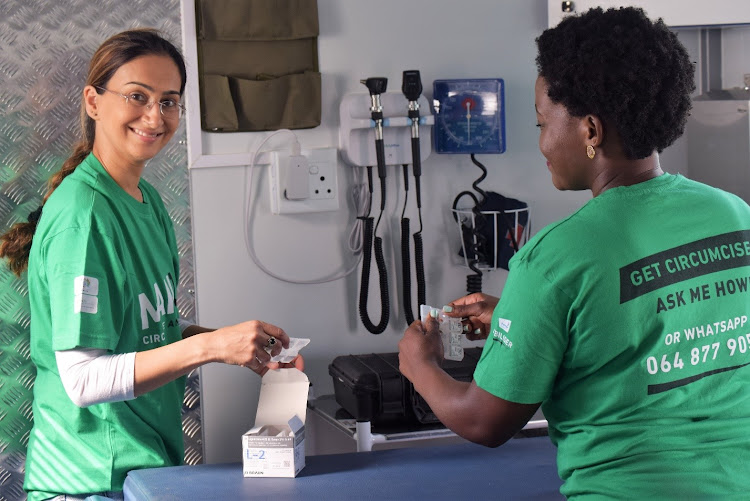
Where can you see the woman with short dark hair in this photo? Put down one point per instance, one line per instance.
(617, 320)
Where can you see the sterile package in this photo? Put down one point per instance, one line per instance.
(275, 446)
(288, 354)
(451, 332)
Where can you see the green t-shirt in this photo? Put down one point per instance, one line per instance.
(102, 274)
(628, 320)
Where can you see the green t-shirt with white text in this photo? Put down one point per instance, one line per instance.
(628, 320)
(103, 272)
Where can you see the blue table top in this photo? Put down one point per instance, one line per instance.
(523, 468)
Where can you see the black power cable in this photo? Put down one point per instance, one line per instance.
(376, 86)
(476, 239)
(412, 88)
(405, 252)
(405, 257)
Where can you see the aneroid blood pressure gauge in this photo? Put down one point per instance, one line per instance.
(469, 115)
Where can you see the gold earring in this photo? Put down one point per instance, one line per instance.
(590, 152)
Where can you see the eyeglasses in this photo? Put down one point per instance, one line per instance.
(169, 108)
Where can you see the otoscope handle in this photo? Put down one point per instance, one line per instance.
(380, 154)
(416, 159)
(416, 162)
(411, 86)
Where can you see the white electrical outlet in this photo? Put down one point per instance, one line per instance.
(323, 191)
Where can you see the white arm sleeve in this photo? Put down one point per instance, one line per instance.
(93, 376)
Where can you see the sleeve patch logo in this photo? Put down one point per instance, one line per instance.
(504, 324)
(85, 290)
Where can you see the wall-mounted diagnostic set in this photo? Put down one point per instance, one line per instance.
(378, 129)
(381, 128)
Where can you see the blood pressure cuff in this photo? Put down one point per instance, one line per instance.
(508, 230)
(258, 64)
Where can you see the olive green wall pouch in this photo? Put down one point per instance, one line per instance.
(258, 64)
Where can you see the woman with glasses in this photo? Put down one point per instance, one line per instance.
(110, 349)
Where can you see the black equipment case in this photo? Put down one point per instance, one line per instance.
(371, 388)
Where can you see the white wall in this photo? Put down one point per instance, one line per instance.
(441, 38)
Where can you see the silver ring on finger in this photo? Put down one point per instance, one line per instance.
(269, 345)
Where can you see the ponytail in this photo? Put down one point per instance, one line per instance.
(17, 245)
(80, 152)
(16, 242)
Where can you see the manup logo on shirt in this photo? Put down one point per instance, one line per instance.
(148, 309)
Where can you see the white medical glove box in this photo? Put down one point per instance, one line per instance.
(275, 447)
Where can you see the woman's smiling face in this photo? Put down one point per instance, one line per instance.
(131, 133)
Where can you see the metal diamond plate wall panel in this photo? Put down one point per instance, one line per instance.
(45, 46)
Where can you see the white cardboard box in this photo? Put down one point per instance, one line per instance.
(275, 447)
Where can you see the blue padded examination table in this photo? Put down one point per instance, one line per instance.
(523, 468)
